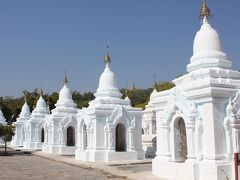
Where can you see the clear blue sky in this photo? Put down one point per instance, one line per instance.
(39, 39)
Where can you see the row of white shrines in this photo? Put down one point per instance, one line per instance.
(197, 121)
(110, 129)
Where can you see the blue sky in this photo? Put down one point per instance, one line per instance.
(39, 39)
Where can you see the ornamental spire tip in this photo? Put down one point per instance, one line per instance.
(205, 11)
(107, 58)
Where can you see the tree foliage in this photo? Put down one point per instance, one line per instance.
(6, 134)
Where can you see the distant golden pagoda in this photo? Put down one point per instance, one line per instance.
(133, 87)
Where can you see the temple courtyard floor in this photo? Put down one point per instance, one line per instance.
(25, 165)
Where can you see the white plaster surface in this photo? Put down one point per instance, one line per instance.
(57, 123)
(97, 125)
(20, 130)
(207, 99)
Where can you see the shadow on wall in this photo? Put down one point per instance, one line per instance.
(151, 151)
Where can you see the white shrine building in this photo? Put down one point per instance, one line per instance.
(2, 119)
(60, 126)
(110, 128)
(3, 122)
(20, 124)
(34, 127)
(149, 128)
(198, 120)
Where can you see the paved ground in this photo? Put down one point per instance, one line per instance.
(24, 166)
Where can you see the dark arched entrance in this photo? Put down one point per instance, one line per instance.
(70, 136)
(120, 138)
(42, 135)
(180, 140)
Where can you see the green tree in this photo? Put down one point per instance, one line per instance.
(164, 86)
(6, 134)
(52, 100)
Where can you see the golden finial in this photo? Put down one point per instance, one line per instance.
(205, 11)
(107, 58)
(65, 77)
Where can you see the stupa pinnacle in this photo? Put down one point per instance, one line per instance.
(205, 11)
(107, 58)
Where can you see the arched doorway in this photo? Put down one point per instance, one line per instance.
(120, 138)
(42, 135)
(85, 140)
(180, 140)
(70, 136)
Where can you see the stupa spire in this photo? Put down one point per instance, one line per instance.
(25, 96)
(205, 11)
(107, 58)
(41, 92)
(65, 78)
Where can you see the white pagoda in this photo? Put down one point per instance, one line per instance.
(60, 126)
(2, 119)
(3, 122)
(198, 120)
(110, 128)
(34, 127)
(22, 120)
(149, 128)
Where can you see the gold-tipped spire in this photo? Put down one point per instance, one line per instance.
(65, 77)
(205, 11)
(107, 58)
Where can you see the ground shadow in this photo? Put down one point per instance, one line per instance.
(13, 152)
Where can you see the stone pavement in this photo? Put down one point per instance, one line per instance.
(66, 166)
(25, 166)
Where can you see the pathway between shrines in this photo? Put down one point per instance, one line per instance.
(25, 166)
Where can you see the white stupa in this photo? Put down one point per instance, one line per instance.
(3, 122)
(149, 128)
(20, 131)
(110, 128)
(198, 120)
(2, 119)
(60, 126)
(34, 127)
